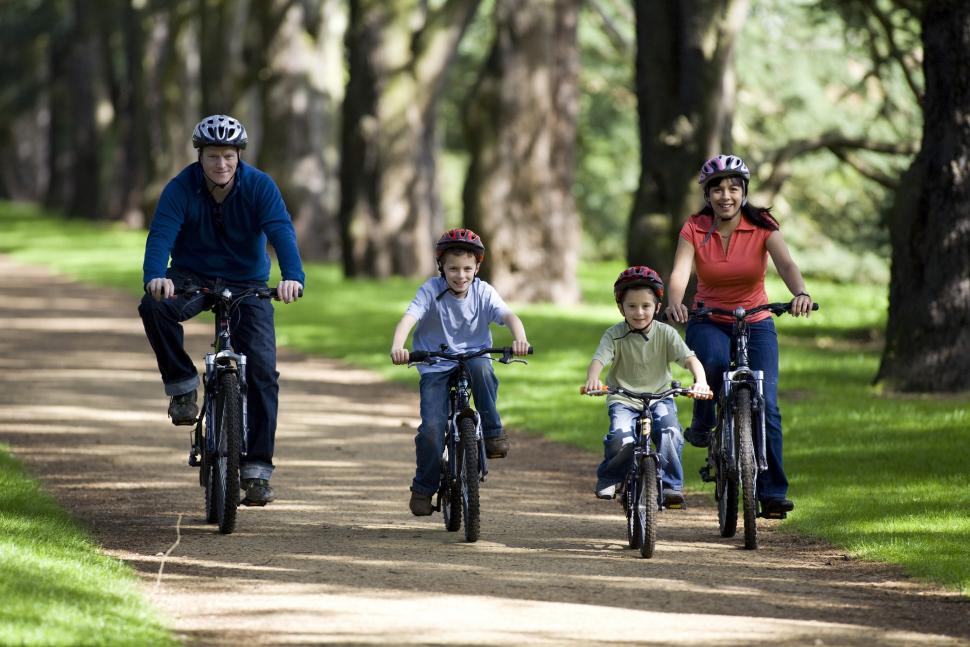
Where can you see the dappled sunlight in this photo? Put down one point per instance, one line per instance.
(68, 412)
(82, 324)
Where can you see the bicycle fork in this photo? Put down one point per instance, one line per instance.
(752, 380)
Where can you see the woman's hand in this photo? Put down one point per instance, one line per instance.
(801, 305)
(677, 312)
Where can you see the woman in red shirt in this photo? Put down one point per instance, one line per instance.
(728, 243)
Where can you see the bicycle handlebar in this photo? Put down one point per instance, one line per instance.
(739, 313)
(191, 290)
(418, 356)
(674, 390)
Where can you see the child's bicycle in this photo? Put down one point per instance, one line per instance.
(641, 491)
(736, 452)
(219, 439)
(463, 463)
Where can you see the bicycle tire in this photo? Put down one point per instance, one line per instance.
(725, 488)
(450, 496)
(630, 504)
(645, 513)
(468, 477)
(228, 430)
(748, 467)
(207, 476)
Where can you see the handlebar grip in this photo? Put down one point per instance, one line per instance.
(584, 391)
(529, 352)
(814, 306)
(418, 356)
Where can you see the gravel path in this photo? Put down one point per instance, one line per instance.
(339, 560)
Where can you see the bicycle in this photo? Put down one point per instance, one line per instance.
(464, 463)
(736, 453)
(642, 483)
(219, 439)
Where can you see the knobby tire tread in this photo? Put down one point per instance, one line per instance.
(468, 470)
(748, 467)
(228, 426)
(645, 520)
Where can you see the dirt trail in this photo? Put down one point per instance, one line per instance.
(338, 559)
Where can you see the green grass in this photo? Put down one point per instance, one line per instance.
(56, 588)
(883, 476)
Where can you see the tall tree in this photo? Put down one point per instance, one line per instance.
(685, 89)
(399, 55)
(521, 126)
(928, 333)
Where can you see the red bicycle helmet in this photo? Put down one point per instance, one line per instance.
(638, 276)
(462, 239)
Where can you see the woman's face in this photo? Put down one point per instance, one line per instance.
(726, 197)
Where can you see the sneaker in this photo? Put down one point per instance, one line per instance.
(183, 410)
(258, 492)
(698, 437)
(497, 446)
(777, 506)
(420, 504)
(673, 498)
(607, 492)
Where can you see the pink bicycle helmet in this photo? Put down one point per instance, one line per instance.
(462, 239)
(638, 276)
(723, 166)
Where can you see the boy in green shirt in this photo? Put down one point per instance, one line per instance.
(639, 351)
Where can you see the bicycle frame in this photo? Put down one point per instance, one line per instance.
(459, 408)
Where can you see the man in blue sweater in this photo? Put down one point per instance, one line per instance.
(213, 221)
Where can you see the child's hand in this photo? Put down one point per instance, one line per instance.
(701, 391)
(594, 385)
(400, 355)
(520, 347)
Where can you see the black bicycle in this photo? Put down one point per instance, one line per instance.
(464, 463)
(736, 453)
(641, 491)
(219, 440)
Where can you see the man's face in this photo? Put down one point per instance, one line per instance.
(220, 162)
(460, 268)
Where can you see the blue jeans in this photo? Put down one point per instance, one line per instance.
(429, 443)
(712, 342)
(665, 433)
(253, 335)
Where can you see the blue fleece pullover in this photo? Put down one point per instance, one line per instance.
(184, 229)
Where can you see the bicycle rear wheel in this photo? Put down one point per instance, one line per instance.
(468, 477)
(450, 496)
(645, 512)
(749, 469)
(227, 424)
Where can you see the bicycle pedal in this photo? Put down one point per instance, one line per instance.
(705, 473)
(194, 460)
(675, 506)
(772, 515)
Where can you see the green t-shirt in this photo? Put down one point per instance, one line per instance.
(639, 364)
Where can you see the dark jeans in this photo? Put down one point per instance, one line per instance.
(713, 342)
(253, 335)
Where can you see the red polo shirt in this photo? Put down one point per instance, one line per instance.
(731, 279)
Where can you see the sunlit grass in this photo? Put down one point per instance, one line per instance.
(886, 477)
(55, 587)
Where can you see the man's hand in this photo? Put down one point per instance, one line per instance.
(160, 289)
(289, 291)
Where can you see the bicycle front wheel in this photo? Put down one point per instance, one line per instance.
(645, 512)
(748, 467)
(630, 505)
(450, 494)
(468, 477)
(227, 424)
(725, 488)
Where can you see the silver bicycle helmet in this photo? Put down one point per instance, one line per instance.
(219, 130)
(723, 166)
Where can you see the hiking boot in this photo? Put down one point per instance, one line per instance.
(698, 437)
(673, 498)
(183, 410)
(497, 447)
(420, 504)
(607, 492)
(258, 492)
(777, 506)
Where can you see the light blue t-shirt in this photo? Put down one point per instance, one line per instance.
(461, 324)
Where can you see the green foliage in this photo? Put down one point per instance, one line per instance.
(883, 476)
(55, 587)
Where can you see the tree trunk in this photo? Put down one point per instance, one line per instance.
(685, 89)
(521, 127)
(390, 210)
(928, 333)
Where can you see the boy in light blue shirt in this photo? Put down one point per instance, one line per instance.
(454, 309)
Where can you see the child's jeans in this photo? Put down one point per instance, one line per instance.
(667, 437)
(430, 441)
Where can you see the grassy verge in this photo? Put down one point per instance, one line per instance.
(55, 587)
(882, 476)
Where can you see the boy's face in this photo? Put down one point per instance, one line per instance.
(638, 307)
(460, 268)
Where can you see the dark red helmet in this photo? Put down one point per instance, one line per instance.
(461, 239)
(638, 276)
